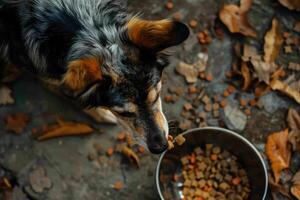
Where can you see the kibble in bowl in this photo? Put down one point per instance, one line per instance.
(213, 163)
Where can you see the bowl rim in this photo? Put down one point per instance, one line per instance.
(250, 145)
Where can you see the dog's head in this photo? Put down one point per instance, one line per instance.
(129, 84)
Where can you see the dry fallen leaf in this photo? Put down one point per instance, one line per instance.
(263, 69)
(63, 128)
(246, 75)
(295, 189)
(235, 18)
(249, 53)
(129, 153)
(293, 120)
(188, 71)
(275, 187)
(5, 96)
(278, 152)
(38, 180)
(291, 4)
(16, 123)
(273, 42)
(286, 89)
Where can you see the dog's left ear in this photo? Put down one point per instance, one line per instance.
(156, 35)
(81, 74)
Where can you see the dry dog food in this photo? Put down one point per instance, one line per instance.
(212, 173)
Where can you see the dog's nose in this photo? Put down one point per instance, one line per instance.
(157, 144)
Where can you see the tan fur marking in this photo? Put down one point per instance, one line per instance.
(82, 72)
(159, 119)
(149, 34)
(152, 95)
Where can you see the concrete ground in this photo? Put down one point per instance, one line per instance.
(65, 160)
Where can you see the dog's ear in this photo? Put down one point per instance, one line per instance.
(156, 35)
(81, 74)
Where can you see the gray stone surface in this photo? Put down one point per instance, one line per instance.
(73, 176)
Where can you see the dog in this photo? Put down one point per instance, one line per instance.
(100, 55)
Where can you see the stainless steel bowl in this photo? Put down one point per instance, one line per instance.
(251, 160)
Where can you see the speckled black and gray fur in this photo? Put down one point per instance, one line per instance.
(44, 36)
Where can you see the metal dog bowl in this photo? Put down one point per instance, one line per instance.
(251, 160)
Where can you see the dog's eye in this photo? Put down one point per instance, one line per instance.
(125, 61)
(126, 114)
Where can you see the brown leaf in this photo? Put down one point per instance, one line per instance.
(286, 89)
(273, 42)
(291, 4)
(295, 190)
(263, 69)
(278, 152)
(275, 187)
(188, 71)
(5, 96)
(235, 18)
(16, 123)
(65, 129)
(246, 75)
(293, 120)
(249, 53)
(129, 153)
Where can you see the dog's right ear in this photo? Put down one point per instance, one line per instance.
(80, 74)
(156, 35)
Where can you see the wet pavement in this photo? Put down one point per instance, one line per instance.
(73, 176)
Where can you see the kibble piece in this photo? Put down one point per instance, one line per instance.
(193, 23)
(169, 5)
(118, 185)
(223, 103)
(177, 16)
(185, 160)
(188, 106)
(216, 113)
(243, 102)
(226, 93)
(198, 150)
(216, 150)
(180, 140)
(121, 136)
(110, 151)
(208, 108)
(169, 98)
(231, 89)
(206, 99)
(170, 145)
(216, 106)
(248, 112)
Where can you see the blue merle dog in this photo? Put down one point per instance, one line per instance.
(101, 56)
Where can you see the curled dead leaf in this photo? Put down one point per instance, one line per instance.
(263, 69)
(273, 42)
(235, 18)
(246, 75)
(293, 120)
(63, 128)
(130, 154)
(16, 123)
(295, 189)
(279, 152)
(291, 4)
(286, 89)
(275, 187)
